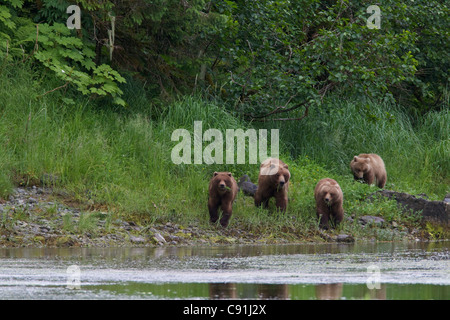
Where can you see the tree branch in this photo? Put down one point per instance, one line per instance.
(263, 118)
(279, 109)
(57, 88)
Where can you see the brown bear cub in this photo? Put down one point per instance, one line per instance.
(369, 167)
(222, 192)
(273, 181)
(329, 199)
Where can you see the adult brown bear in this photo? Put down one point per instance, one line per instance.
(329, 199)
(370, 168)
(222, 192)
(273, 181)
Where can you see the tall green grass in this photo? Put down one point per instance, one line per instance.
(117, 158)
(120, 160)
(416, 152)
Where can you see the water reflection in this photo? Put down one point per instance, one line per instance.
(223, 291)
(258, 291)
(155, 253)
(328, 271)
(330, 291)
(215, 291)
(334, 291)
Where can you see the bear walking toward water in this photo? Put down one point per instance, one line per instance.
(273, 181)
(370, 168)
(329, 200)
(222, 192)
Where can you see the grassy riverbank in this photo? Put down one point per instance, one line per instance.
(118, 161)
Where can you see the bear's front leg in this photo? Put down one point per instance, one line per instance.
(281, 201)
(369, 178)
(213, 207)
(381, 180)
(259, 199)
(226, 213)
(266, 203)
(323, 215)
(338, 213)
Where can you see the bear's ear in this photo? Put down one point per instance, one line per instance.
(215, 173)
(229, 174)
(355, 158)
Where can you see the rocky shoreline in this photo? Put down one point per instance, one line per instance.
(40, 217)
(37, 217)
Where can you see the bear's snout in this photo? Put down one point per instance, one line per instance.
(281, 183)
(327, 199)
(222, 185)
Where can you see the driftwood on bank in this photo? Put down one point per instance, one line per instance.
(247, 186)
(432, 211)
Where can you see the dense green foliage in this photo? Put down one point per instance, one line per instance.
(98, 111)
(262, 59)
(286, 54)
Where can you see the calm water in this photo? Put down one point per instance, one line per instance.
(310, 271)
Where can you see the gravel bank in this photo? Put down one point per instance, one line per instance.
(38, 217)
(43, 217)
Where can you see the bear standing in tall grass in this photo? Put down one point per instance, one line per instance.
(222, 192)
(370, 168)
(329, 199)
(273, 181)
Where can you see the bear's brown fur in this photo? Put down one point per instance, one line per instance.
(329, 200)
(273, 181)
(370, 168)
(222, 192)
